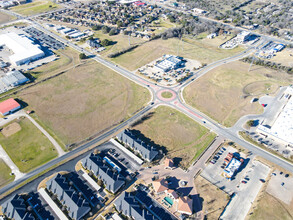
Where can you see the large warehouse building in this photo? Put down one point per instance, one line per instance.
(23, 48)
(282, 128)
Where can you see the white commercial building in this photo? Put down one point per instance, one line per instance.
(282, 128)
(24, 49)
(232, 167)
(169, 62)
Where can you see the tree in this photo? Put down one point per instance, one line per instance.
(105, 29)
(105, 42)
(112, 32)
(96, 27)
(250, 123)
(82, 56)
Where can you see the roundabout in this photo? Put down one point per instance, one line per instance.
(166, 95)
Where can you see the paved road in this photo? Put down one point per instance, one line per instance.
(200, 17)
(14, 169)
(51, 163)
(176, 103)
(21, 113)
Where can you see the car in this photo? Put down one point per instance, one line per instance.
(262, 180)
(243, 182)
(246, 178)
(274, 174)
(222, 167)
(212, 161)
(287, 175)
(281, 173)
(282, 184)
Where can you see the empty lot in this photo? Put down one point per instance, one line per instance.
(35, 7)
(205, 51)
(213, 199)
(67, 58)
(83, 101)
(270, 208)
(225, 92)
(181, 137)
(28, 148)
(5, 18)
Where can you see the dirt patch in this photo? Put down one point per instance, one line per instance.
(213, 199)
(11, 129)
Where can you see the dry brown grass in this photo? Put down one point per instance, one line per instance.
(204, 51)
(11, 129)
(270, 208)
(214, 199)
(183, 138)
(285, 57)
(225, 92)
(83, 101)
(5, 18)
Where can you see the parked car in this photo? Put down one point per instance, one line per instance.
(282, 184)
(243, 182)
(287, 175)
(262, 180)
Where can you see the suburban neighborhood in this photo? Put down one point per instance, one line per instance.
(155, 110)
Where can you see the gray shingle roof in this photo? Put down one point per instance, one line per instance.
(77, 206)
(146, 151)
(113, 181)
(128, 205)
(15, 208)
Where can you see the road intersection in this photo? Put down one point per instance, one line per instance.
(176, 101)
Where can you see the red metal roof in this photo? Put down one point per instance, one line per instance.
(8, 105)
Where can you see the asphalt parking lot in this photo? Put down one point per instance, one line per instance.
(213, 173)
(281, 186)
(44, 39)
(243, 198)
(119, 156)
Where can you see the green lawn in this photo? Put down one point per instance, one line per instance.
(5, 176)
(28, 148)
(36, 7)
(181, 136)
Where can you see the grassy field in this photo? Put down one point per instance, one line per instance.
(285, 57)
(67, 59)
(36, 7)
(182, 137)
(204, 50)
(270, 208)
(214, 200)
(120, 42)
(84, 101)
(167, 95)
(5, 18)
(225, 92)
(28, 148)
(5, 176)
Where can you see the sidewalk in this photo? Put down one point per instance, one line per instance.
(10, 163)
